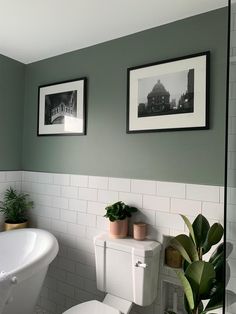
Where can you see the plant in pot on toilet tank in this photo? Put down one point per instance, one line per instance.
(14, 207)
(118, 214)
(202, 280)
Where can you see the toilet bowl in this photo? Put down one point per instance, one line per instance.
(92, 307)
(110, 305)
(127, 270)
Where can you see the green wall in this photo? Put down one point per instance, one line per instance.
(106, 150)
(11, 107)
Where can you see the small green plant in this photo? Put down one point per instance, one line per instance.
(119, 211)
(201, 280)
(15, 206)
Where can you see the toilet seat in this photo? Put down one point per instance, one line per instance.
(92, 307)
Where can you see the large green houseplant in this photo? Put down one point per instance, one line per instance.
(118, 214)
(15, 206)
(201, 280)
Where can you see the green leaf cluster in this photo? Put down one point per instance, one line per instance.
(201, 280)
(119, 211)
(15, 206)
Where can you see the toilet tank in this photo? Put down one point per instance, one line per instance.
(127, 268)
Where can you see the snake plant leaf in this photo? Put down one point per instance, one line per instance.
(187, 289)
(190, 227)
(186, 247)
(214, 235)
(200, 228)
(200, 275)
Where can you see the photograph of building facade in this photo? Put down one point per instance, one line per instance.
(60, 105)
(161, 102)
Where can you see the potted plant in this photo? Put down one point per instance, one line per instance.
(14, 207)
(202, 280)
(118, 214)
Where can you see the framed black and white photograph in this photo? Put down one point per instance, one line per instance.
(62, 108)
(169, 95)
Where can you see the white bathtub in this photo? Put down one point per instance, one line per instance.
(26, 254)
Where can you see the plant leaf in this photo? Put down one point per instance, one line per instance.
(15, 206)
(217, 259)
(215, 302)
(186, 305)
(200, 307)
(187, 288)
(119, 211)
(185, 265)
(133, 209)
(214, 235)
(190, 228)
(218, 251)
(200, 274)
(200, 228)
(186, 247)
(218, 287)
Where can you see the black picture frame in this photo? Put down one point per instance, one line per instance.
(139, 123)
(62, 108)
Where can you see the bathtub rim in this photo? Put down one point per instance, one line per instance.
(28, 269)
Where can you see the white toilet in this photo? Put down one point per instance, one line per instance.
(127, 270)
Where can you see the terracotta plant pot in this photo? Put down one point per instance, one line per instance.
(9, 226)
(119, 228)
(139, 231)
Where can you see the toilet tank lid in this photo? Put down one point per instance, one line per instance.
(143, 248)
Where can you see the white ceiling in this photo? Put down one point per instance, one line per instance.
(31, 30)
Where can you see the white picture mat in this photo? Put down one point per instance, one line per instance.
(183, 120)
(71, 125)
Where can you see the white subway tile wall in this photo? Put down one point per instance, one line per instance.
(72, 208)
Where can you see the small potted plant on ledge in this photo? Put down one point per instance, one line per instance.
(118, 214)
(202, 280)
(14, 207)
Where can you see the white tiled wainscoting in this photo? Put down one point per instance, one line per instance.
(72, 208)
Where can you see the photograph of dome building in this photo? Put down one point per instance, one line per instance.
(166, 94)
